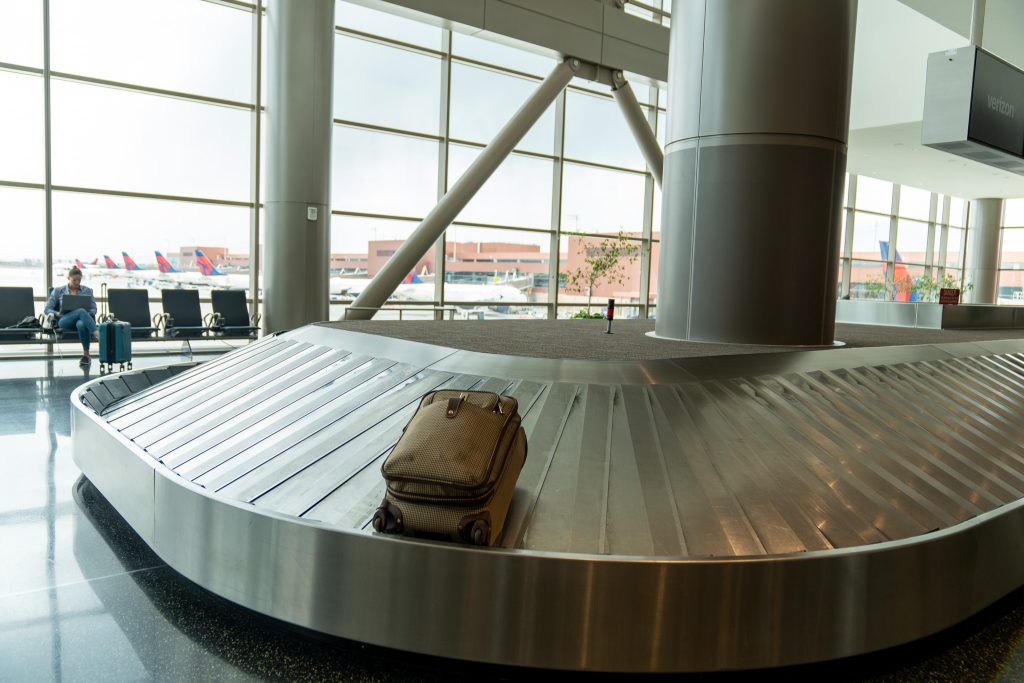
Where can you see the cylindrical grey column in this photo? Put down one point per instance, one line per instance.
(754, 163)
(298, 198)
(982, 263)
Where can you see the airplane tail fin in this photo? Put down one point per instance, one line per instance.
(79, 264)
(901, 275)
(163, 264)
(110, 263)
(129, 264)
(206, 266)
(412, 279)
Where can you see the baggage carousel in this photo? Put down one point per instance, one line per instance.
(693, 514)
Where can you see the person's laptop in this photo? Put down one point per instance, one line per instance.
(72, 302)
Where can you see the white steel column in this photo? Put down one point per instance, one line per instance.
(637, 122)
(982, 266)
(441, 216)
(299, 127)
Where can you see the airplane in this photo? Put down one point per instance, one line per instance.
(111, 265)
(165, 274)
(901, 276)
(164, 265)
(206, 266)
(413, 288)
(129, 264)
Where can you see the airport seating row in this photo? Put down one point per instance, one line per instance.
(181, 318)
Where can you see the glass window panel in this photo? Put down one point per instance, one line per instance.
(867, 281)
(1011, 288)
(869, 232)
(912, 241)
(361, 246)
(383, 173)
(915, 203)
(187, 45)
(937, 244)
(874, 195)
(483, 101)
(518, 194)
(642, 13)
(21, 32)
(507, 267)
(595, 130)
(90, 226)
(21, 128)
(1013, 216)
(956, 211)
(371, 21)
(22, 249)
(593, 269)
(955, 248)
(116, 139)
(906, 280)
(600, 200)
(662, 128)
(391, 87)
(501, 55)
(1011, 252)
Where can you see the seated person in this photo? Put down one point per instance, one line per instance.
(80, 319)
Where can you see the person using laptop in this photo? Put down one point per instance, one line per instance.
(76, 312)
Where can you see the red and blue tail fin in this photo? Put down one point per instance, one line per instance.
(163, 264)
(129, 264)
(206, 266)
(412, 279)
(110, 263)
(901, 276)
(79, 264)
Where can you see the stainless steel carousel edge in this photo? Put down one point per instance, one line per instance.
(549, 610)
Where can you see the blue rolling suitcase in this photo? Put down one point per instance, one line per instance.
(115, 345)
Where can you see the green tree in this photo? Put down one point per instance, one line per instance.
(877, 288)
(604, 261)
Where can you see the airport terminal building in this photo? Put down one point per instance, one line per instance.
(751, 269)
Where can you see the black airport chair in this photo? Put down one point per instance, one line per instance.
(132, 306)
(16, 308)
(182, 317)
(231, 314)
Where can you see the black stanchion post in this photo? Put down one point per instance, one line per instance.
(609, 315)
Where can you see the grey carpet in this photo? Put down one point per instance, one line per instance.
(585, 339)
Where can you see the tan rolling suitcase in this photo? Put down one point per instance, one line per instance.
(453, 471)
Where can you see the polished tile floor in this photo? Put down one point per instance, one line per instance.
(83, 599)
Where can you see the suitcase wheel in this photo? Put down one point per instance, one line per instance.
(129, 365)
(479, 532)
(387, 519)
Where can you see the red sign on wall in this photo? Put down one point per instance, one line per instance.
(949, 296)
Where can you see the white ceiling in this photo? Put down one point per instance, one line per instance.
(894, 38)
